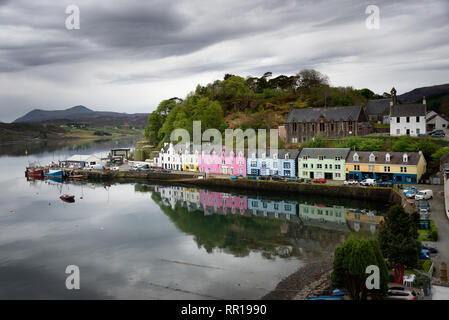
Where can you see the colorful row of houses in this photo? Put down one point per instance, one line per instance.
(211, 202)
(308, 163)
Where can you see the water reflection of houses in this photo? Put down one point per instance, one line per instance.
(333, 217)
(182, 196)
(218, 202)
(284, 210)
(362, 220)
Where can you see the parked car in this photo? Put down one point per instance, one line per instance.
(424, 255)
(320, 180)
(350, 182)
(411, 194)
(165, 170)
(413, 190)
(429, 248)
(424, 214)
(385, 184)
(368, 182)
(292, 179)
(424, 204)
(437, 134)
(277, 178)
(424, 194)
(401, 295)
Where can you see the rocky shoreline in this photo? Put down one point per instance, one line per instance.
(312, 279)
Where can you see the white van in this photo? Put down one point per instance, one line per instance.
(368, 182)
(424, 195)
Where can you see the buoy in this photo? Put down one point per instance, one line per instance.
(81, 197)
(11, 211)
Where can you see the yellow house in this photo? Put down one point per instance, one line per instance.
(397, 167)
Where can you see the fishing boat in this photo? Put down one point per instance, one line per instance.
(67, 198)
(35, 172)
(54, 173)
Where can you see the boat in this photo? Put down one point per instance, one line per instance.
(78, 176)
(54, 173)
(35, 172)
(67, 198)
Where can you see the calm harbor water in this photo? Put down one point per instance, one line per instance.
(157, 241)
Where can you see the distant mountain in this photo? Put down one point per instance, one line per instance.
(83, 115)
(416, 95)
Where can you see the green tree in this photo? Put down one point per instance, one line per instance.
(349, 270)
(309, 78)
(398, 238)
(315, 142)
(404, 144)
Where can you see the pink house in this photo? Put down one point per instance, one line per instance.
(223, 162)
(226, 203)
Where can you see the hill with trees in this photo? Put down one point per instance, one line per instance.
(251, 102)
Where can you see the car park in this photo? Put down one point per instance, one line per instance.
(350, 182)
(424, 195)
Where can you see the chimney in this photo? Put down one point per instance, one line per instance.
(393, 96)
(424, 100)
(291, 107)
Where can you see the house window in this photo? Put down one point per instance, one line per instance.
(355, 157)
(319, 166)
(398, 131)
(330, 166)
(337, 167)
(387, 157)
(295, 126)
(321, 127)
(286, 172)
(372, 157)
(264, 165)
(417, 119)
(304, 165)
(240, 163)
(240, 170)
(287, 207)
(275, 165)
(321, 158)
(253, 163)
(418, 131)
(356, 167)
(276, 206)
(371, 168)
(405, 158)
(387, 169)
(337, 175)
(398, 120)
(337, 158)
(305, 157)
(305, 173)
(287, 165)
(403, 169)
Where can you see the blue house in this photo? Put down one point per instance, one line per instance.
(280, 162)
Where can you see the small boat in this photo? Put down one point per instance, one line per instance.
(67, 198)
(35, 172)
(78, 176)
(54, 173)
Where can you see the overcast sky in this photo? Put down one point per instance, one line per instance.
(129, 55)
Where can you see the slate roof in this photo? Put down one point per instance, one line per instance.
(292, 153)
(378, 107)
(395, 157)
(408, 110)
(328, 153)
(329, 113)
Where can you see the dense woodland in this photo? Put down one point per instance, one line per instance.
(236, 102)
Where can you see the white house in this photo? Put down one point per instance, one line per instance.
(169, 157)
(407, 119)
(434, 121)
(190, 157)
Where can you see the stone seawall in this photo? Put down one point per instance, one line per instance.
(339, 191)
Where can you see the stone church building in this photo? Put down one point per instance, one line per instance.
(332, 122)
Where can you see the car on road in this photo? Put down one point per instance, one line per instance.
(397, 294)
(350, 182)
(429, 248)
(368, 182)
(424, 195)
(413, 190)
(424, 204)
(437, 134)
(319, 180)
